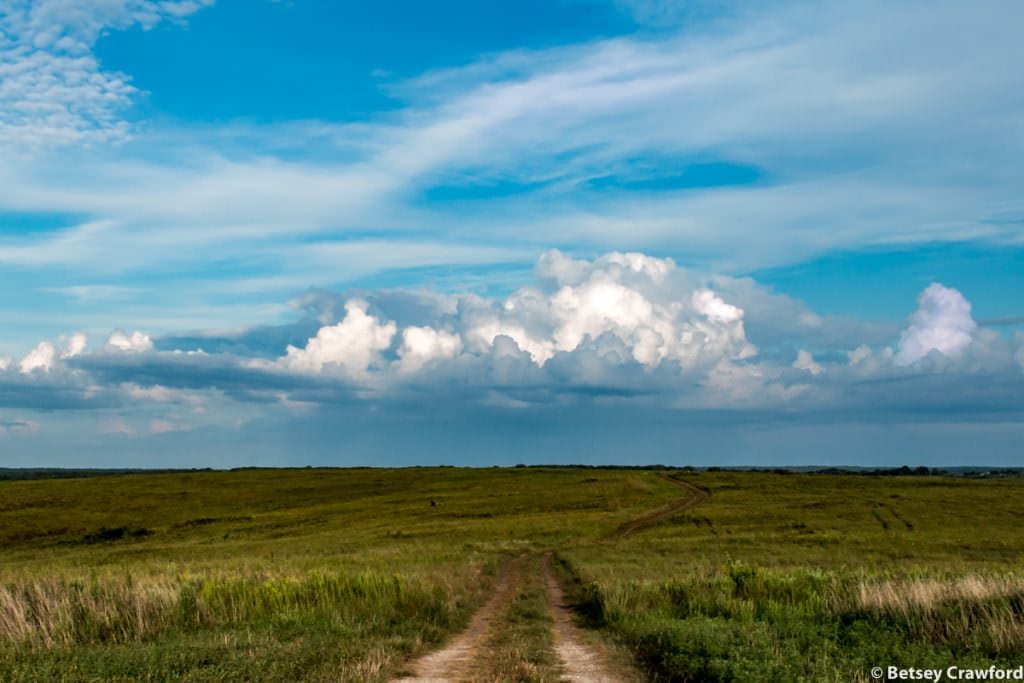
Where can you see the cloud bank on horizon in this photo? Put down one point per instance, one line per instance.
(624, 329)
(620, 310)
(174, 275)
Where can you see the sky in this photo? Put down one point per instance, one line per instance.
(699, 232)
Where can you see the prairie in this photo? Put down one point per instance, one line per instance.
(815, 577)
(347, 574)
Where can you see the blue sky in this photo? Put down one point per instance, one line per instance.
(400, 232)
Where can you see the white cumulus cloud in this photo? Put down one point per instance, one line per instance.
(805, 361)
(421, 345)
(620, 327)
(632, 298)
(41, 357)
(45, 355)
(75, 346)
(942, 322)
(135, 342)
(354, 344)
(160, 394)
(859, 354)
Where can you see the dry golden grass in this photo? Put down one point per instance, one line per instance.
(61, 612)
(929, 594)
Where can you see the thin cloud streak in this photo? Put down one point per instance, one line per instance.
(832, 116)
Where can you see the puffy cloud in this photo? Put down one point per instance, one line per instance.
(942, 322)
(565, 270)
(722, 334)
(864, 362)
(75, 346)
(421, 345)
(619, 328)
(631, 297)
(353, 344)
(600, 306)
(45, 355)
(158, 393)
(135, 342)
(486, 334)
(41, 357)
(859, 354)
(805, 361)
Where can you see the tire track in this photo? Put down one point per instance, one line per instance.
(696, 497)
(579, 661)
(455, 661)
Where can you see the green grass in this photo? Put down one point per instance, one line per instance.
(288, 574)
(344, 574)
(790, 577)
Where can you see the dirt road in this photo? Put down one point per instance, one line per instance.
(463, 657)
(455, 661)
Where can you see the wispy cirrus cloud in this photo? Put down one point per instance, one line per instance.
(837, 114)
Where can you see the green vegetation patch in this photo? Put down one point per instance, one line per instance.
(795, 578)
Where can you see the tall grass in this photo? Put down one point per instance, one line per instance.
(60, 612)
(751, 624)
(977, 613)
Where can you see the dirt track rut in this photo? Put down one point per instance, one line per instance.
(696, 497)
(580, 662)
(454, 662)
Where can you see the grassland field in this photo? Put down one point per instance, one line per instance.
(347, 574)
